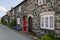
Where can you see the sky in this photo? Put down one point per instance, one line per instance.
(5, 5)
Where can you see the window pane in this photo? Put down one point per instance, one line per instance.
(18, 20)
(13, 12)
(19, 9)
(44, 1)
(42, 21)
(46, 21)
(40, 2)
(51, 21)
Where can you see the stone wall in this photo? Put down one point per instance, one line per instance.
(31, 8)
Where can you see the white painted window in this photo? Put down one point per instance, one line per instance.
(51, 22)
(18, 20)
(40, 2)
(42, 21)
(47, 22)
(13, 12)
(19, 9)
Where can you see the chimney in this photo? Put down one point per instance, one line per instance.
(12, 7)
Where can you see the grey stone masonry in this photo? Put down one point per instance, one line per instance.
(30, 8)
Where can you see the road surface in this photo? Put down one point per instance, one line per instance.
(8, 34)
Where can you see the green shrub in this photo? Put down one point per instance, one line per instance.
(3, 22)
(12, 23)
(57, 38)
(49, 37)
(46, 37)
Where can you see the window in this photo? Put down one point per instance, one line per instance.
(47, 22)
(18, 20)
(40, 2)
(19, 9)
(42, 21)
(13, 12)
(51, 21)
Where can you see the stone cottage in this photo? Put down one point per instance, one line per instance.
(5, 19)
(38, 16)
(8, 17)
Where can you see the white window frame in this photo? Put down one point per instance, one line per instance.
(46, 21)
(19, 9)
(41, 22)
(13, 12)
(18, 20)
(41, 2)
(51, 28)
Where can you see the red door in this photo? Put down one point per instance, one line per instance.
(24, 24)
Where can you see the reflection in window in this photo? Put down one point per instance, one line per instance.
(42, 21)
(46, 21)
(40, 2)
(51, 21)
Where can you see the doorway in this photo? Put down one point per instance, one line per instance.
(24, 24)
(30, 24)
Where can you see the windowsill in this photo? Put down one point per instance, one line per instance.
(47, 28)
(41, 4)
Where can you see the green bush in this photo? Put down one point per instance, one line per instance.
(49, 37)
(57, 38)
(3, 22)
(46, 37)
(12, 23)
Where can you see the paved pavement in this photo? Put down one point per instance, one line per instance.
(8, 34)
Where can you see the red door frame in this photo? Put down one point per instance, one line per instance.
(24, 24)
